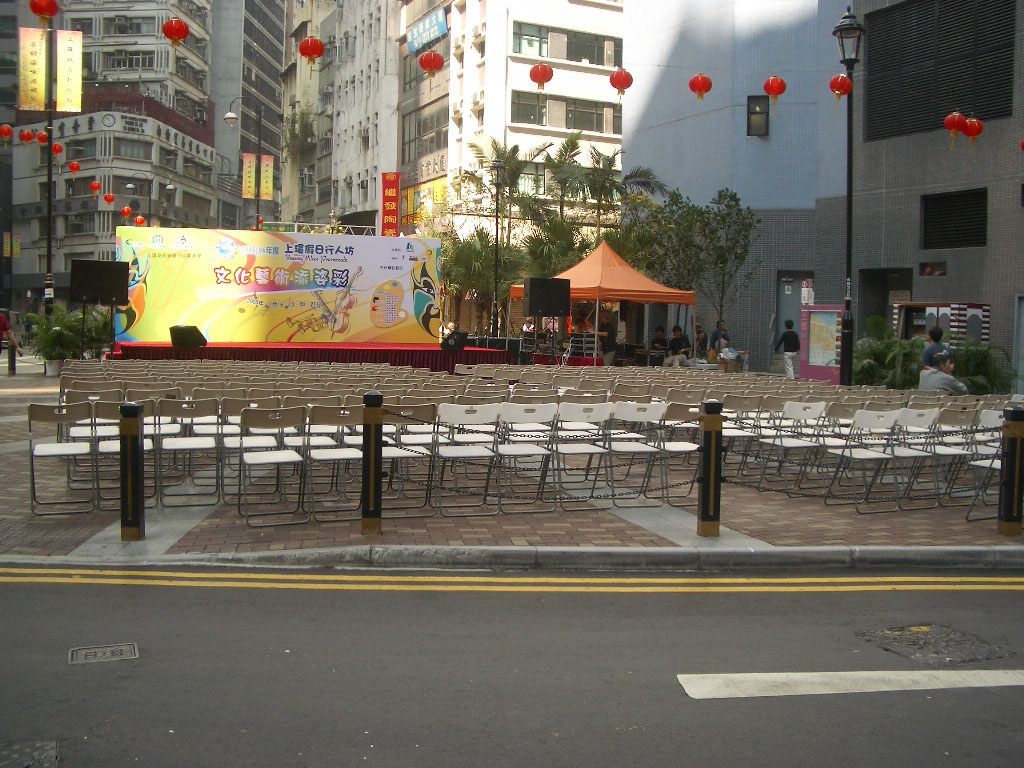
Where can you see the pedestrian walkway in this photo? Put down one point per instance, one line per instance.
(751, 521)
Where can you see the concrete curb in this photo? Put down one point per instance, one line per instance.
(581, 559)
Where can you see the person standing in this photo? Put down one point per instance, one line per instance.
(935, 346)
(939, 377)
(700, 343)
(790, 343)
(7, 332)
(607, 330)
(678, 348)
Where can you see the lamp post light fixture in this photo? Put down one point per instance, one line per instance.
(231, 119)
(849, 33)
(497, 166)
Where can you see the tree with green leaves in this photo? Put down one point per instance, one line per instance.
(725, 231)
(606, 185)
(554, 245)
(565, 171)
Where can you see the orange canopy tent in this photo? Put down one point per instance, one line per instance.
(605, 276)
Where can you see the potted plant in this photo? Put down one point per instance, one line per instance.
(58, 337)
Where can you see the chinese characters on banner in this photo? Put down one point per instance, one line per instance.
(249, 175)
(16, 245)
(389, 206)
(32, 69)
(7, 245)
(266, 177)
(69, 71)
(426, 30)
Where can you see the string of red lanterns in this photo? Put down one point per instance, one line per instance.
(26, 136)
(140, 220)
(57, 149)
(126, 212)
(42, 137)
(700, 84)
(972, 130)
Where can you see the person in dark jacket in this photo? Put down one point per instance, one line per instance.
(935, 346)
(790, 343)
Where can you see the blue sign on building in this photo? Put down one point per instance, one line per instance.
(427, 29)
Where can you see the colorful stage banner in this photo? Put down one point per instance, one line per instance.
(389, 205)
(279, 288)
(32, 69)
(69, 71)
(266, 177)
(248, 175)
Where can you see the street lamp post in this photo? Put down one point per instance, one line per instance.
(230, 118)
(497, 166)
(849, 33)
(51, 61)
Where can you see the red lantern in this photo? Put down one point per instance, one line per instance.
(621, 80)
(140, 221)
(1022, 145)
(57, 148)
(312, 48)
(260, 221)
(775, 86)
(126, 212)
(840, 85)
(74, 166)
(928, 270)
(700, 84)
(540, 74)
(431, 62)
(175, 30)
(42, 137)
(26, 136)
(954, 123)
(95, 187)
(6, 132)
(44, 9)
(972, 130)
(107, 198)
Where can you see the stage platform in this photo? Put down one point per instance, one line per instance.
(415, 355)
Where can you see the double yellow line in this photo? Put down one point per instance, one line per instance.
(481, 583)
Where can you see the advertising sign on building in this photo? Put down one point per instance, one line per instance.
(389, 206)
(422, 202)
(426, 30)
(278, 288)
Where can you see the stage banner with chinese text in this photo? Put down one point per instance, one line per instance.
(266, 177)
(69, 71)
(277, 287)
(248, 175)
(32, 69)
(389, 207)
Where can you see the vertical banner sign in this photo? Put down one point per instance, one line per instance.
(389, 207)
(7, 245)
(69, 71)
(16, 245)
(32, 69)
(266, 177)
(248, 175)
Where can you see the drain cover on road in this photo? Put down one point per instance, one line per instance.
(38, 754)
(934, 644)
(118, 652)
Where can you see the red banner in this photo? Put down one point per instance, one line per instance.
(389, 205)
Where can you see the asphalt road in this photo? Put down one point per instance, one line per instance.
(359, 668)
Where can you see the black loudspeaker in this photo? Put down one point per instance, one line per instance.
(187, 336)
(454, 341)
(99, 282)
(546, 297)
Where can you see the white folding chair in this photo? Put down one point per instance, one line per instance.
(581, 434)
(865, 450)
(257, 501)
(76, 495)
(463, 449)
(525, 438)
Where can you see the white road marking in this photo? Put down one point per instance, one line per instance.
(741, 686)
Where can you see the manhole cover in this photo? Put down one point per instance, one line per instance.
(934, 644)
(118, 652)
(38, 754)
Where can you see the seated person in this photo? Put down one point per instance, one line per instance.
(940, 378)
(580, 324)
(659, 343)
(679, 348)
(700, 343)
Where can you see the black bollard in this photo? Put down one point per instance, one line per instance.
(133, 501)
(709, 496)
(1011, 473)
(373, 445)
(12, 354)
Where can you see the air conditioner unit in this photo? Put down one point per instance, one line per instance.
(331, 39)
(457, 107)
(325, 135)
(327, 89)
(480, 29)
(478, 98)
(457, 46)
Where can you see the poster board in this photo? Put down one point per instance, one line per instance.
(279, 288)
(820, 334)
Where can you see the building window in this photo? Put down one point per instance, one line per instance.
(584, 47)
(531, 179)
(924, 59)
(525, 108)
(8, 96)
(8, 64)
(82, 25)
(81, 148)
(136, 150)
(617, 119)
(425, 131)
(124, 59)
(954, 219)
(581, 115)
(129, 25)
(8, 27)
(79, 224)
(529, 39)
(757, 115)
(195, 203)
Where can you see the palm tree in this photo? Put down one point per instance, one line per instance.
(565, 170)
(605, 184)
(554, 246)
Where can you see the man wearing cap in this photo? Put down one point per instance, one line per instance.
(940, 378)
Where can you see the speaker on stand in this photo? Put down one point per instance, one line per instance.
(454, 342)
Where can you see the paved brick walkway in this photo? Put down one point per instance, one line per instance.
(769, 517)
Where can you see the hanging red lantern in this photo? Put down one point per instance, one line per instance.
(42, 137)
(126, 212)
(107, 198)
(621, 80)
(700, 84)
(95, 187)
(6, 132)
(840, 85)
(57, 148)
(259, 221)
(775, 86)
(954, 123)
(26, 136)
(540, 74)
(431, 62)
(312, 48)
(140, 221)
(175, 30)
(74, 166)
(44, 9)
(972, 130)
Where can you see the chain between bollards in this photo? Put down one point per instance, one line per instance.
(1011, 473)
(709, 495)
(373, 476)
(133, 501)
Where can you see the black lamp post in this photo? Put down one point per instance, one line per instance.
(848, 33)
(51, 61)
(144, 183)
(497, 166)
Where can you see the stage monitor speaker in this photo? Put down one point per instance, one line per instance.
(187, 336)
(546, 297)
(99, 282)
(454, 341)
